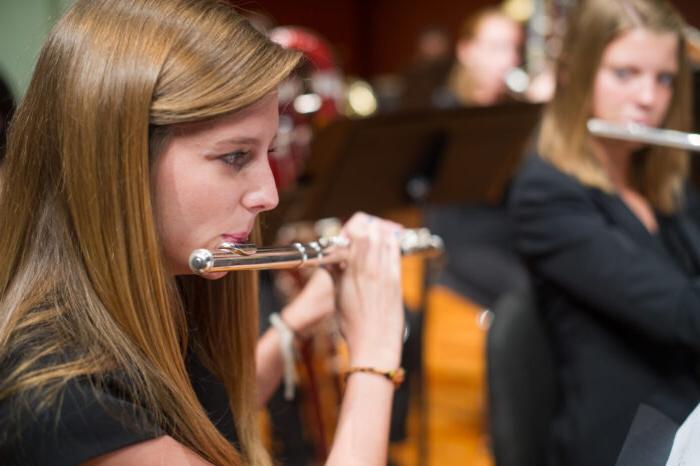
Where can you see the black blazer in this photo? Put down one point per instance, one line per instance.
(623, 307)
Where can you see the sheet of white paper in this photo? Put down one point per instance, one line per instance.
(686, 443)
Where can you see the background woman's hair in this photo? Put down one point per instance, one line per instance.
(82, 274)
(460, 80)
(658, 172)
(471, 24)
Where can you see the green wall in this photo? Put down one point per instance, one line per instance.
(24, 25)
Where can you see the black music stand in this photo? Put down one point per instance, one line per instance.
(387, 162)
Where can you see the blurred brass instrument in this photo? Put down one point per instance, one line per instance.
(326, 250)
(640, 133)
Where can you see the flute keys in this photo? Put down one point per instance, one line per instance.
(420, 240)
(338, 241)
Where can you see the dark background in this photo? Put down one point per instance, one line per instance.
(373, 37)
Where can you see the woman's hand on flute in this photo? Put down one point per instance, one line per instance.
(372, 320)
(369, 292)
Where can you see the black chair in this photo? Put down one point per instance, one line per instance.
(522, 387)
(481, 263)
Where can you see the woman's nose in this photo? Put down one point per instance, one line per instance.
(647, 91)
(262, 195)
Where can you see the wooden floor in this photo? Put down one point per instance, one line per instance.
(449, 426)
(448, 422)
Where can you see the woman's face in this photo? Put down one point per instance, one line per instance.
(490, 55)
(212, 179)
(635, 80)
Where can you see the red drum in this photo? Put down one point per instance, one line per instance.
(311, 98)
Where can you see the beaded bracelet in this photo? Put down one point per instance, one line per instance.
(288, 357)
(396, 376)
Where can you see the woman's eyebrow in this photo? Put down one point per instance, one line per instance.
(237, 140)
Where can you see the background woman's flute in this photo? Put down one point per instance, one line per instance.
(639, 133)
(331, 250)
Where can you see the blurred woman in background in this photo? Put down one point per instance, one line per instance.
(604, 227)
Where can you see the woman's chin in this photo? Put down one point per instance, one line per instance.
(205, 275)
(213, 275)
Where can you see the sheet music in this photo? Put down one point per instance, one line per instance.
(686, 443)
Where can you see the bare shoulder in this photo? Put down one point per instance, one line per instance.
(160, 451)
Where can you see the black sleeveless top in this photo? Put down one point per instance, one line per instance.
(86, 423)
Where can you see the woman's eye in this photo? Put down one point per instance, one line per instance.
(622, 73)
(237, 159)
(271, 150)
(666, 79)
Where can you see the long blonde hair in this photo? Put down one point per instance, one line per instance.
(82, 274)
(658, 173)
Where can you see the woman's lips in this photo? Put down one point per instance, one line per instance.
(236, 238)
(641, 121)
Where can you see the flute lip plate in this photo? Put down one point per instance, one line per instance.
(242, 249)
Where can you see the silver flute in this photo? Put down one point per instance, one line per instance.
(326, 250)
(640, 133)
